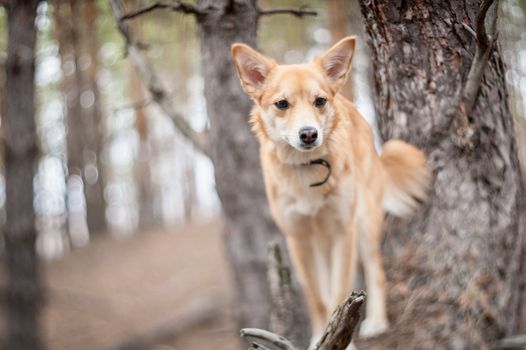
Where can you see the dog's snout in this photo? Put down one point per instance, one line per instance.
(308, 135)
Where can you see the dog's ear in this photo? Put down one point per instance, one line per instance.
(252, 67)
(336, 62)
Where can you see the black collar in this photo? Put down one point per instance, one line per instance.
(324, 163)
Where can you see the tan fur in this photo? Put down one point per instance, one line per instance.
(328, 227)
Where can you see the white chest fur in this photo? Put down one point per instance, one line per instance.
(307, 202)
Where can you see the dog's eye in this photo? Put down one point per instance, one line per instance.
(320, 102)
(282, 104)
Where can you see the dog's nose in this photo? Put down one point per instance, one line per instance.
(308, 135)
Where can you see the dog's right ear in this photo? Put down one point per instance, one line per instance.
(252, 67)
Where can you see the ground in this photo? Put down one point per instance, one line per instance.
(165, 289)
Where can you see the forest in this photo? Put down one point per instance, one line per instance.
(133, 208)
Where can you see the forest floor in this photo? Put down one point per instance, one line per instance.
(156, 290)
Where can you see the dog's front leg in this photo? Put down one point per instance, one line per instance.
(370, 235)
(344, 258)
(302, 255)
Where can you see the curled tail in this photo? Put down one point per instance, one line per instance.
(407, 177)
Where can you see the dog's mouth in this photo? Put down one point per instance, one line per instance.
(307, 147)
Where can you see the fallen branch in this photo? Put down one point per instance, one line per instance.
(337, 335)
(153, 82)
(272, 338)
(480, 60)
(176, 6)
(298, 12)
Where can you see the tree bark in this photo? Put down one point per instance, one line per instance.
(235, 154)
(455, 269)
(24, 289)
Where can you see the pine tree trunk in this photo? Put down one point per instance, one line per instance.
(234, 152)
(77, 37)
(94, 168)
(454, 270)
(66, 14)
(24, 290)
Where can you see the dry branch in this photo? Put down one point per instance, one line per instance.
(344, 320)
(176, 6)
(272, 338)
(158, 92)
(337, 335)
(286, 316)
(480, 60)
(298, 12)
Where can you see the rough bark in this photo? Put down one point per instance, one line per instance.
(454, 269)
(24, 290)
(234, 152)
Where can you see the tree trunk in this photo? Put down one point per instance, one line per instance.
(143, 176)
(234, 152)
(24, 290)
(76, 34)
(455, 269)
(66, 13)
(93, 167)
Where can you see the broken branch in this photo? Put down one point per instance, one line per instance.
(298, 12)
(337, 335)
(339, 332)
(153, 82)
(484, 47)
(176, 6)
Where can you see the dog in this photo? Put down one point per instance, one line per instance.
(327, 187)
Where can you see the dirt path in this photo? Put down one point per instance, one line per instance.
(121, 294)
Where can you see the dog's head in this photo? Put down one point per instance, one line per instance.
(295, 102)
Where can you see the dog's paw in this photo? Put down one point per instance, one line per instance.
(371, 327)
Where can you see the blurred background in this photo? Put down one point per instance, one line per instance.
(129, 222)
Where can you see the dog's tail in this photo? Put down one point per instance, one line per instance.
(407, 177)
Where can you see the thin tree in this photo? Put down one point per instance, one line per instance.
(24, 289)
(78, 46)
(95, 131)
(456, 270)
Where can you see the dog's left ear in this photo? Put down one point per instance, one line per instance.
(336, 62)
